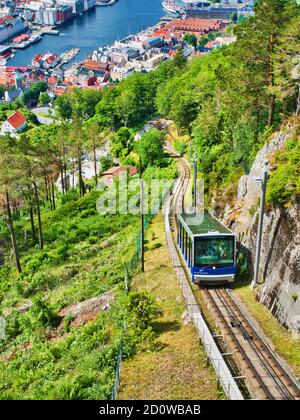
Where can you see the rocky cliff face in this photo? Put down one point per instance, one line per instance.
(280, 258)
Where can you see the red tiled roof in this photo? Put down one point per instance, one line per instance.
(37, 57)
(4, 19)
(52, 79)
(116, 169)
(197, 26)
(16, 120)
(21, 38)
(91, 64)
(50, 59)
(12, 69)
(60, 90)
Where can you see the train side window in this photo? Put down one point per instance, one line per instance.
(187, 249)
(180, 235)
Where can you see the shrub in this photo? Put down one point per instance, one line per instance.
(42, 314)
(13, 325)
(284, 181)
(180, 146)
(155, 246)
(142, 310)
(92, 240)
(294, 296)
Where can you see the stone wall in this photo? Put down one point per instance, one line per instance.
(280, 258)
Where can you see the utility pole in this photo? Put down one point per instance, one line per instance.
(142, 220)
(263, 182)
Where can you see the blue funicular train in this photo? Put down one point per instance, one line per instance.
(208, 248)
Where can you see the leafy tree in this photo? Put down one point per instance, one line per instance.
(122, 142)
(106, 163)
(11, 178)
(95, 139)
(44, 99)
(203, 41)
(63, 107)
(31, 96)
(151, 148)
(191, 39)
(179, 60)
(287, 67)
(184, 109)
(258, 40)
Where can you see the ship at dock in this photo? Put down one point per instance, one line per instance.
(104, 3)
(69, 56)
(172, 7)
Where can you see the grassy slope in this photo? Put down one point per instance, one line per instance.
(177, 370)
(83, 257)
(285, 344)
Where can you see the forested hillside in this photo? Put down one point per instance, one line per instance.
(56, 250)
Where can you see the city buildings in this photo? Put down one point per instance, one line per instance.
(11, 26)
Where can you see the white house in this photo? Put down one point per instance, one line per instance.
(11, 95)
(14, 124)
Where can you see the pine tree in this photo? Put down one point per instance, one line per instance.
(258, 40)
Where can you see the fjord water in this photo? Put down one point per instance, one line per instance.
(96, 28)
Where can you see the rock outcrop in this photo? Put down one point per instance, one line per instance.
(87, 311)
(280, 258)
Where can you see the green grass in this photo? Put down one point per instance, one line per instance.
(176, 368)
(84, 256)
(285, 344)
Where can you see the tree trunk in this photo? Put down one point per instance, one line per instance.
(47, 190)
(66, 178)
(95, 164)
(271, 81)
(38, 208)
(81, 183)
(53, 193)
(62, 180)
(65, 171)
(271, 110)
(49, 193)
(12, 233)
(32, 222)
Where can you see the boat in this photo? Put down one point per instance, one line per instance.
(69, 56)
(22, 45)
(35, 38)
(171, 7)
(104, 3)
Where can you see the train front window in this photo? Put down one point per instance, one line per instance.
(214, 252)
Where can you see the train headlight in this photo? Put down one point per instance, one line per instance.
(214, 267)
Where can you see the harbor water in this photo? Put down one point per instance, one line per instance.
(96, 28)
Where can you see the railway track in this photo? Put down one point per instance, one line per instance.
(180, 189)
(265, 376)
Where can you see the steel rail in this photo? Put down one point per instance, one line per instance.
(255, 342)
